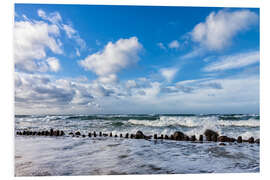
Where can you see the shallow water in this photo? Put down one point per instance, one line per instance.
(39, 156)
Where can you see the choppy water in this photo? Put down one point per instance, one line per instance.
(91, 156)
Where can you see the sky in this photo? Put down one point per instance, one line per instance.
(88, 59)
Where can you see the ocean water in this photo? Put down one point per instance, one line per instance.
(66, 155)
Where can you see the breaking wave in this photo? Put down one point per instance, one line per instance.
(226, 124)
(194, 121)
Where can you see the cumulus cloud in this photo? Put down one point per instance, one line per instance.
(31, 40)
(174, 44)
(234, 61)
(34, 39)
(219, 28)
(168, 73)
(113, 58)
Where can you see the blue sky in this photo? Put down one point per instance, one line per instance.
(135, 59)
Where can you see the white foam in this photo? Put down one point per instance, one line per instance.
(194, 121)
(197, 125)
(244, 123)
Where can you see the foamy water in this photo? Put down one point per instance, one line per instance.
(90, 156)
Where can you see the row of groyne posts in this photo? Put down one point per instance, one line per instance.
(210, 136)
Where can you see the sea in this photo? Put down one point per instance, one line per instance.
(70, 156)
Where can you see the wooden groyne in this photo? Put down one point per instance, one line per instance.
(208, 136)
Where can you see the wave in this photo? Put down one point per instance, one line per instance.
(238, 117)
(175, 120)
(193, 122)
(240, 123)
(117, 124)
(115, 117)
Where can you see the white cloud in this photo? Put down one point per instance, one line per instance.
(73, 34)
(139, 96)
(209, 58)
(41, 14)
(69, 30)
(168, 73)
(237, 95)
(108, 79)
(113, 58)
(53, 64)
(80, 42)
(174, 44)
(35, 93)
(152, 91)
(234, 61)
(161, 45)
(194, 53)
(219, 28)
(131, 84)
(141, 89)
(192, 81)
(54, 17)
(31, 39)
